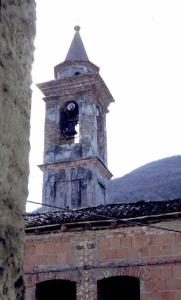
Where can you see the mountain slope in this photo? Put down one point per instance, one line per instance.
(156, 181)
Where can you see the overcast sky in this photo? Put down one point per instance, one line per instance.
(137, 46)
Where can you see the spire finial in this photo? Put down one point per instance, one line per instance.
(77, 28)
(77, 51)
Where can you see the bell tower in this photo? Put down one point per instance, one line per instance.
(75, 149)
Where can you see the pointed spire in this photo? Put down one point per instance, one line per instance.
(77, 50)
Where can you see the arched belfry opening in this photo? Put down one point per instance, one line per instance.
(118, 288)
(56, 290)
(69, 120)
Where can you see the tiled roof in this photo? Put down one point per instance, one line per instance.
(103, 212)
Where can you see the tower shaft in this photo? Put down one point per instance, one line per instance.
(75, 149)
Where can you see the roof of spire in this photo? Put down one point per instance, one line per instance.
(77, 51)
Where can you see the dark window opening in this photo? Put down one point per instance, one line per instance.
(77, 73)
(101, 193)
(56, 290)
(119, 288)
(102, 185)
(69, 119)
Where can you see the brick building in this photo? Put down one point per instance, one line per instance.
(88, 248)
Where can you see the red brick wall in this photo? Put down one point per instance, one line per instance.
(152, 255)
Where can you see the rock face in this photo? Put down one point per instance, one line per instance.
(156, 181)
(17, 31)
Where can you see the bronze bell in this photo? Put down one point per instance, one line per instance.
(69, 130)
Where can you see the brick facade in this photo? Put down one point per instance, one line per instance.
(86, 256)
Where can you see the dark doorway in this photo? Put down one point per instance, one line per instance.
(56, 290)
(119, 288)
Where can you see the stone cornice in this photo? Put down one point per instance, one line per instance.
(55, 89)
(78, 163)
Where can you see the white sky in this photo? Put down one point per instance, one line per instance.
(137, 46)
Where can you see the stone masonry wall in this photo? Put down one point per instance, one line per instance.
(86, 256)
(17, 31)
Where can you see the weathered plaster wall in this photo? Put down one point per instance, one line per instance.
(78, 187)
(86, 256)
(75, 186)
(17, 30)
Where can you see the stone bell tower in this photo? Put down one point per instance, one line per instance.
(75, 150)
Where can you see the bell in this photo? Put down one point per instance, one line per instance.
(69, 130)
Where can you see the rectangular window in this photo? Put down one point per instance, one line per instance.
(76, 193)
(61, 192)
(101, 193)
(68, 193)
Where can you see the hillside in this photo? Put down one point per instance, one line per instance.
(157, 181)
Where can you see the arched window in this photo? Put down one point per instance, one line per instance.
(118, 288)
(56, 290)
(69, 119)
